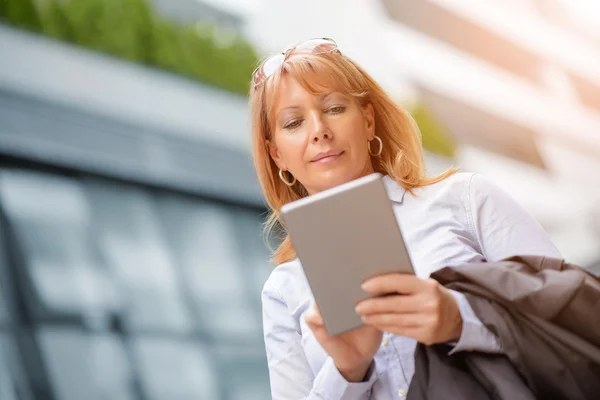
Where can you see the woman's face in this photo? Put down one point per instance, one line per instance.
(321, 140)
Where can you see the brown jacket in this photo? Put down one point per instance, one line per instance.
(546, 315)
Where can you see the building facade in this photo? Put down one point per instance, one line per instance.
(131, 254)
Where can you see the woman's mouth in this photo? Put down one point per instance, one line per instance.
(327, 157)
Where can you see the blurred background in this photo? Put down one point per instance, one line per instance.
(131, 258)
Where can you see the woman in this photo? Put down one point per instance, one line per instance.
(319, 121)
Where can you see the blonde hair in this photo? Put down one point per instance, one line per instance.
(402, 154)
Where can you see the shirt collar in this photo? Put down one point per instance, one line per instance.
(394, 190)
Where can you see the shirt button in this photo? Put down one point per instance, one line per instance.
(385, 341)
(402, 393)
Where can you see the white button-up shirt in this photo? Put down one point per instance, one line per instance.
(462, 219)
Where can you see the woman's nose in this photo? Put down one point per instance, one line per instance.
(320, 129)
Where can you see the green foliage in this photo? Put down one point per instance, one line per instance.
(117, 27)
(54, 20)
(22, 13)
(192, 51)
(434, 137)
(129, 29)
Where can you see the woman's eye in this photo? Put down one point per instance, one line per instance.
(293, 124)
(337, 109)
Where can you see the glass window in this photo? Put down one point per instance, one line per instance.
(204, 239)
(51, 219)
(246, 372)
(86, 366)
(174, 267)
(252, 245)
(4, 316)
(130, 238)
(4, 284)
(257, 267)
(174, 370)
(13, 385)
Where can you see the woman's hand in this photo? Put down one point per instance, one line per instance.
(413, 307)
(352, 351)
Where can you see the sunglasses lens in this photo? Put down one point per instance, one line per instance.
(317, 46)
(267, 68)
(272, 64)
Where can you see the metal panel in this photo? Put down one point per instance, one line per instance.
(57, 135)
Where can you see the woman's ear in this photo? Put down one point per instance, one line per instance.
(274, 153)
(369, 116)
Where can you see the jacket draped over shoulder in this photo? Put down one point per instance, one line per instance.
(545, 315)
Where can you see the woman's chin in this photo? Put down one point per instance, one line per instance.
(331, 179)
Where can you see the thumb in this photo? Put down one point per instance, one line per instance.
(313, 317)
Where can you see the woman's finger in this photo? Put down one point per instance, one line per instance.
(420, 334)
(313, 316)
(316, 328)
(399, 321)
(394, 283)
(391, 304)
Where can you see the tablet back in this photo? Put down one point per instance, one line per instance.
(343, 236)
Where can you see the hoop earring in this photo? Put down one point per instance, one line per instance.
(285, 180)
(380, 146)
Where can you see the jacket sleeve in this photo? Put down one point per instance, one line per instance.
(291, 376)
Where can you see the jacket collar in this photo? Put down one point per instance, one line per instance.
(395, 191)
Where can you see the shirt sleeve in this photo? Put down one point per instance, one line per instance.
(475, 336)
(289, 371)
(502, 228)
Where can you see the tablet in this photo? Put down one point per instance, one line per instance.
(343, 236)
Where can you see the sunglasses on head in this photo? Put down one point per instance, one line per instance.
(273, 63)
